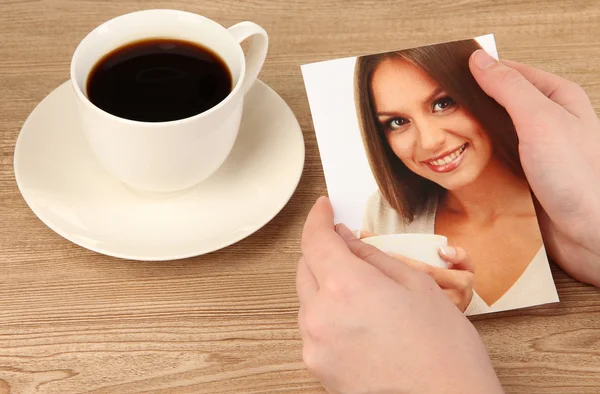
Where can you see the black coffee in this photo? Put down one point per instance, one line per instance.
(159, 80)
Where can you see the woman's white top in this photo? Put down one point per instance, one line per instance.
(535, 286)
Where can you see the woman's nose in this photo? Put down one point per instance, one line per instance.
(431, 137)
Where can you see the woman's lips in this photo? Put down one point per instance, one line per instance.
(449, 162)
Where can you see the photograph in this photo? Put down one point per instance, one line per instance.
(411, 145)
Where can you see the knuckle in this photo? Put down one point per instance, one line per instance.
(511, 78)
(334, 286)
(466, 283)
(462, 254)
(469, 279)
(469, 267)
(456, 300)
(575, 89)
(362, 250)
(423, 281)
(312, 323)
(427, 269)
(310, 358)
(340, 287)
(465, 291)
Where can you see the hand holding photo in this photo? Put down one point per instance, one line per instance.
(424, 248)
(410, 144)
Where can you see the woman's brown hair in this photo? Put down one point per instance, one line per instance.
(448, 64)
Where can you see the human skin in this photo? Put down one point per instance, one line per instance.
(373, 325)
(370, 324)
(559, 138)
(437, 139)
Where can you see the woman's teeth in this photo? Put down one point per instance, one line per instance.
(449, 158)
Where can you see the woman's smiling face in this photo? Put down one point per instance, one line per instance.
(427, 130)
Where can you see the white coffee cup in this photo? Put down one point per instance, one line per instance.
(174, 155)
(420, 247)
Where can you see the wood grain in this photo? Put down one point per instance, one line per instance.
(73, 321)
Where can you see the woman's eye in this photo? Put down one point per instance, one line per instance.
(396, 123)
(443, 104)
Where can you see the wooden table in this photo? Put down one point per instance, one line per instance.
(74, 321)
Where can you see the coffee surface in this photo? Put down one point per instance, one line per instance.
(159, 80)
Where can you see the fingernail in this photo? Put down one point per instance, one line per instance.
(483, 60)
(322, 198)
(344, 231)
(448, 251)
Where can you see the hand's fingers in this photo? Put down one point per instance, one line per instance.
(385, 263)
(325, 252)
(455, 278)
(461, 302)
(306, 284)
(320, 218)
(454, 297)
(365, 234)
(457, 257)
(450, 279)
(445, 278)
(565, 93)
(524, 102)
(414, 264)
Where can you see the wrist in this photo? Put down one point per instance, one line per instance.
(577, 251)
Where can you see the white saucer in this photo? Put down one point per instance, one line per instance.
(72, 194)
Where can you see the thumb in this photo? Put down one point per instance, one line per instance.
(521, 99)
(458, 258)
(386, 264)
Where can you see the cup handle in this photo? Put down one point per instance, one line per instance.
(257, 52)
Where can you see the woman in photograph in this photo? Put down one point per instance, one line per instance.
(445, 158)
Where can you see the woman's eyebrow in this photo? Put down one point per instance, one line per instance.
(387, 113)
(433, 94)
(427, 100)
